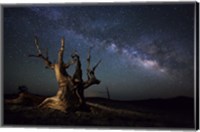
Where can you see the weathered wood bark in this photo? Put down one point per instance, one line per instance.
(70, 94)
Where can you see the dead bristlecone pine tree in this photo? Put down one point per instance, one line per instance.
(70, 94)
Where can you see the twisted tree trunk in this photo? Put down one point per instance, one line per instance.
(70, 94)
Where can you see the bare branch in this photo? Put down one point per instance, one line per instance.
(33, 56)
(62, 43)
(77, 77)
(88, 58)
(90, 82)
(67, 65)
(93, 69)
(37, 45)
(91, 73)
(88, 63)
(74, 55)
(46, 61)
(40, 55)
(61, 51)
(108, 93)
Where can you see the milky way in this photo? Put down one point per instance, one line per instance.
(147, 51)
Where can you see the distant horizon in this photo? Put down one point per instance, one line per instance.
(104, 97)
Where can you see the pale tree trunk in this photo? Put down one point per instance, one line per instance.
(70, 94)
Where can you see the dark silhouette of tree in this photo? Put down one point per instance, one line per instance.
(108, 93)
(23, 89)
(70, 94)
(25, 98)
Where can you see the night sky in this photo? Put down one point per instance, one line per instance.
(147, 51)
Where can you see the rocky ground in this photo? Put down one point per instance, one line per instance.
(155, 114)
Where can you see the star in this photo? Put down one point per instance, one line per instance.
(138, 45)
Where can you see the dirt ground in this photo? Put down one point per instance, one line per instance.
(177, 113)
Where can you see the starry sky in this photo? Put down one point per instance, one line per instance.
(147, 51)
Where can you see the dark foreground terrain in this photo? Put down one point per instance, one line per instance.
(156, 113)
